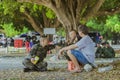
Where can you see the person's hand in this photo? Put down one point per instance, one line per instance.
(32, 60)
(67, 41)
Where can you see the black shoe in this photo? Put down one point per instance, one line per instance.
(30, 70)
(43, 69)
(26, 70)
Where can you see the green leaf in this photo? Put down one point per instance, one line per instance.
(9, 29)
(50, 14)
(22, 8)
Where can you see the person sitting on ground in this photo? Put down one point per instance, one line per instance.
(85, 54)
(99, 51)
(74, 37)
(35, 60)
(108, 51)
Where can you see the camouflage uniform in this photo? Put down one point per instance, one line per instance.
(34, 40)
(28, 38)
(39, 51)
(108, 52)
(99, 52)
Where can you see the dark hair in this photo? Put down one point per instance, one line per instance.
(83, 28)
(77, 34)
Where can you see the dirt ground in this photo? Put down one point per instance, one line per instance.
(60, 74)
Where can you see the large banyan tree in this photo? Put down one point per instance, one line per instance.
(71, 12)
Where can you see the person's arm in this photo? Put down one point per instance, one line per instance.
(67, 48)
(51, 47)
(70, 47)
(33, 51)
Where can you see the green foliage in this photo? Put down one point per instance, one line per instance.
(95, 26)
(9, 7)
(15, 11)
(11, 31)
(35, 7)
(61, 32)
(113, 22)
(11, 11)
(106, 28)
(110, 4)
(22, 8)
(24, 30)
(50, 14)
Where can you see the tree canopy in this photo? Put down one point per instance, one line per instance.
(30, 15)
(49, 13)
(71, 12)
(107, 27)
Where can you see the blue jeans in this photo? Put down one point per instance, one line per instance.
(79, 56)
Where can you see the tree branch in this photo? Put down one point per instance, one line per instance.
(56, 24)
(106, 12)
(1, 30)
(94, 9)
(58, 3)
(32, 22)
(40, 2)
(78, 9)
(81, 4)
(32, 1)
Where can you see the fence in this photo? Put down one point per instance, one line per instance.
(16, 50)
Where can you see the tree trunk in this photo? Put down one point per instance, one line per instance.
(67, 33)
(50, 37)
(2, 31)
(33, 23)
(71, 12)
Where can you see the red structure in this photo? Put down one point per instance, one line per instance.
(18, 43)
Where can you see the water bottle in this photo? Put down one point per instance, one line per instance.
(35, 60)
(88, 67)
(105, 69)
